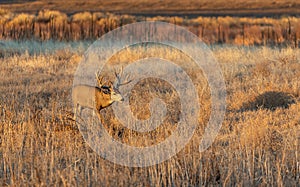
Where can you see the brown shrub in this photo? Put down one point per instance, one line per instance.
(82, 16)
(47, 15)
(22, 19)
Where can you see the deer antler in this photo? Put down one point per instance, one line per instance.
(118, 76)
(99, 79)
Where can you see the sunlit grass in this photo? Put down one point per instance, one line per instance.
(257, 145)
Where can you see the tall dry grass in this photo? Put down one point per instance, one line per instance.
(56, 25)
(41, 145)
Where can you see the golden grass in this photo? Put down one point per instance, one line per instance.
(41, 145)
(54, 24)
(47, 15)
(23, 19)
(83, 16)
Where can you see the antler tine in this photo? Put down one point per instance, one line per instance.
(118, 76)
(124, 83)
(99, 79)
(127, 79)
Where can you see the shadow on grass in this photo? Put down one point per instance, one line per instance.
(270, 100)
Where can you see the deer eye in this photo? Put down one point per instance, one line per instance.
(105, 90)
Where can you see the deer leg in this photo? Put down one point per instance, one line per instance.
(77, 111)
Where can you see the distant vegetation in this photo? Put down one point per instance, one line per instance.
(56, 25)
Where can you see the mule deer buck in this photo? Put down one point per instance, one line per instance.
(97, 97)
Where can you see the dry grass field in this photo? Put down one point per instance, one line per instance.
(258, 143)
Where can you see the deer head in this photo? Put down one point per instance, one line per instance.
(109, 92)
